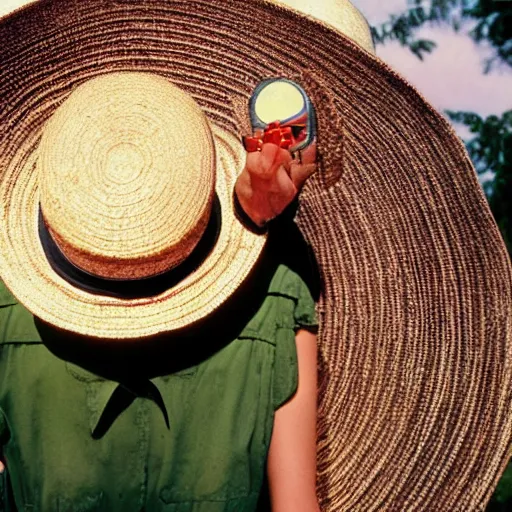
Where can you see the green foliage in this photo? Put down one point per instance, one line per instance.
(503, 492)
(493, 25)
(487, 149)
(402, 27)
(421, 46)
(491, 151)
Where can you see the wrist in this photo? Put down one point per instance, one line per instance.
(255, 224)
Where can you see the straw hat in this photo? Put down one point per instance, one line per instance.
(109, 199)
(415, 407)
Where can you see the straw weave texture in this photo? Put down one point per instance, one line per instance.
(415, 356)
(138, 135)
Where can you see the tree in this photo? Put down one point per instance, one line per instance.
(492, 22)
(491, 152)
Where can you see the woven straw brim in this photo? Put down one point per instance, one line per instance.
(415, 407)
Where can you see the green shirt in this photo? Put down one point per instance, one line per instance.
(190, 439)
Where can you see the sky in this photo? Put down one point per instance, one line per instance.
(449, 78)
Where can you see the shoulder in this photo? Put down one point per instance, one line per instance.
(289, 283)
(16, 322)
(6, 297)
(286, 282)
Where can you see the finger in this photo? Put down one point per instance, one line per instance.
(283, 194)
(285, 187)
(274, 156)
(265, 163)
(246, 199)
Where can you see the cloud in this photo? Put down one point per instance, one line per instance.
(452, 76)
(377, 11)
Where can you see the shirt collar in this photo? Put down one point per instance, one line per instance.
(107, 399)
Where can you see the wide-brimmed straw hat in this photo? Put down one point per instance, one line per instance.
(415, 393)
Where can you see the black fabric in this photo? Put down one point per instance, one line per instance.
(131, 289)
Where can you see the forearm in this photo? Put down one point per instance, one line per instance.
(292, 454)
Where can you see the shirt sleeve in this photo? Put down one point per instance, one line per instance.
(294, 291)
(3, 474)
(4, 501)
(285, 368)
(305, 313)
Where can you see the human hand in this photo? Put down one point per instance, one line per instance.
(271, 179)
(2, 467)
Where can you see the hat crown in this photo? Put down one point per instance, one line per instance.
(339, 14)
(127, 175)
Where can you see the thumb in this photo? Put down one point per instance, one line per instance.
(301, 170)
(299, 173)
(308, 155)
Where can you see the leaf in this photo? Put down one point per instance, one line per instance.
(422, 46)
(503, 491)
(493, 25)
